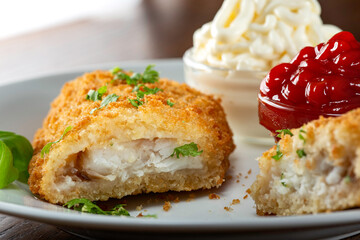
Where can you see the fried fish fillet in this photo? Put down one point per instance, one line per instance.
(122, 150)
(319, 170)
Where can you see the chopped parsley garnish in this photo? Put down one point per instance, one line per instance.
(134, 79)
(284, 132)
(141, 91)
(136, 102)
(282, 180)
(85, 205)
(123, 76)
(301, 136)
(301, 153)
(93, 95)
(148, 76)
(278, 154)
(347, 179)
(186, 150)
(170, 103)
(115, 70)
(138, 80)
(149, 216)
(108, 99)
(46, 148)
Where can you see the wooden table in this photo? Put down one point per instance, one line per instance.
(157, 29)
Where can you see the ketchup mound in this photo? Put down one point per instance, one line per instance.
(320, 81)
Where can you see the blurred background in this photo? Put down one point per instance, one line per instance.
(42, 36)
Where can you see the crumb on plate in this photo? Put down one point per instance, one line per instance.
(167, 206)
(214, 196)
(229, 209)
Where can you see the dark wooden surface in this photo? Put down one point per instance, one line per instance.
(157, 29)
(15, 228)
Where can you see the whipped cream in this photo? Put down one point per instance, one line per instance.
(259, 34)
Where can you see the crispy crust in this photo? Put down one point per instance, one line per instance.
(194, 117)
(318, 182)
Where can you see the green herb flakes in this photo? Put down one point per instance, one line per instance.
(301, 136)
(347, 179)
(46, 148)
(85, 205)
(108, 99)
(133, 80)
(301, 153)
(138, 80)
(148, 76)
(278, 154)
(121, 76)
(282, 180)
(186, 150)
(93, 95)
(136, 102)
(115, 70)
(150, 216)
(141, 91)
(284, 132)
(170, 103)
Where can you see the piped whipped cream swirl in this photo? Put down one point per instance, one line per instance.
(259, 34)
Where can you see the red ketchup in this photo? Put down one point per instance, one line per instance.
(322, 80)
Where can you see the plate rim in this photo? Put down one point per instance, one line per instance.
(347, 217)
(78, 219)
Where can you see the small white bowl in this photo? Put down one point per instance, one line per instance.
(238, 91)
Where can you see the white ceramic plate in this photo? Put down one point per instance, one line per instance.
(23, 105)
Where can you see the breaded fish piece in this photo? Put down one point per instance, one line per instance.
(121, 150)
(319, 170)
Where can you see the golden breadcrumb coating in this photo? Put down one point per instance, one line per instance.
(195, 117)
(318, 172)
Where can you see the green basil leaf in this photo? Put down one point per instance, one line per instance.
(21, 151)
(8, 173)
